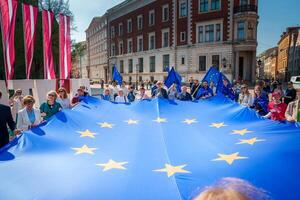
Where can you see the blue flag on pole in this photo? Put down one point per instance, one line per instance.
(173, 77)
(116, 76)
(212, 75)
(152, 150)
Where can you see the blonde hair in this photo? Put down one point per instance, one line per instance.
(52, 92)
(28, 99)
(65, 92)
(221, 194)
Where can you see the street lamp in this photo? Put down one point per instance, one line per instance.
(259, 63)
(136, 75)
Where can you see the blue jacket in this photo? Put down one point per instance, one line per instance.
(185, 97)
(131, 97)
(228, 92)
(204, 92)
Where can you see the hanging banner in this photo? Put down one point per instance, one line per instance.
(48, 18)
(64, 46)
(8, 10)
(30, 15)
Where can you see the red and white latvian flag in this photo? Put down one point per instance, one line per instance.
(48, 18)
(64, 46)
(8, 10)
(30, 14)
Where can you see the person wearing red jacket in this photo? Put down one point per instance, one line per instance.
(277, 108)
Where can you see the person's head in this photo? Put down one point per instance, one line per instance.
(290, 85)
(159, 84)
(82, 87)
(142, 90)
(184, 89)
(196, 82)
(62, 92)
(212, 84)
(80, 92)
(173, 87)
(257, 90)
(123, 84)
(114, 83)
(18, 92)
(106, 92)
(120, 93)
(244, 89)
(51, 96)
(221, 194)
(205, 84)
(225, 82)
(276, 97)
(28, 102)
(131, 89)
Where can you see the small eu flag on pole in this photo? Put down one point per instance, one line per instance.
(116, 76)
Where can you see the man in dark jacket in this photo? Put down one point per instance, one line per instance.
(184, 95)
(195, 88)
(5, 119)
(160, 92)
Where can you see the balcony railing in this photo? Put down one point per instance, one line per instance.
(245, 8)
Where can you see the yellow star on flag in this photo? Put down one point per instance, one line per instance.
(87, 133)
(251, 141)
(131, 121)
(111, 164)
(190, 121)
(84, 149)
(241, 132)
(218, 125)
(171, 170)
(106, 125)
(229, 158)
(160, 120)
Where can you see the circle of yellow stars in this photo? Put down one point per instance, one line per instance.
(169, 169)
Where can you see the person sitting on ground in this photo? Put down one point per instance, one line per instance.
(292, 113)
(131, 94)
(204, 92)
(29, 117)
(195, 88)
(276, 108)
(106, 95)
(78, 98)
(227, 90)
(290, 94)
(142, 95)
(184, 95)
(6, 120)
(121, 98)
(172, 93)
(160, 92)
(50, 107)
(245, 98)
(63, 99)
(260, 102)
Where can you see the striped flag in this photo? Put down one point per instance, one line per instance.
(30, 14)
(64, 46)
(8, 21)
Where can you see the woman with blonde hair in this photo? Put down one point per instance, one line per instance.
(63, 99)
(50, 107)
(245, 98)
(29, 117)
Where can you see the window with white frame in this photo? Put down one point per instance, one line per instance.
(209, 33)
(140, 22)
(182, 36)
(182, 8)
(182, 60)
(215, 5)
(120, 29)
(130, 66)
(165, 38)
(140, 43)
(209, 5)
(121, 48)
(121, 66)
(129, 26)
(151, 41)
(113, 50)
(151, 18)
(152, 63)
(202, 63)
(218, 32)
(241, 31)
(203, 5)
(165, 13)
(112, 32)
(243, 2)
(129, 46)
(166, 62)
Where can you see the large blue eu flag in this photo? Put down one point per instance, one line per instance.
(154, 149)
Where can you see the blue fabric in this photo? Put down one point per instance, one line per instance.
(31, 116)
(262, 103)
(173, 77)
(204, 92)
(212, 75)
(116, 76)
(42, 165)
(225, 90)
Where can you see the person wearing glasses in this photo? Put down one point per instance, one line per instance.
(63, 99)
(29, 117)
(51, 106)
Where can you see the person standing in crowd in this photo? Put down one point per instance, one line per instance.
(121, 98)
(195, 88)
(63, 99)
(173, 93)
(50, 107)
(261, 101)
(237, 90)
(292, 113)
(227, 90)
(204, 92)
(153, 88)
(29, 117)
(279, 90)
(266, 87)
(102, 84)
(6, 119)
(124, 88)
(290, 94)
(142, 95)
(16, 103)
(213, 87)
(191, 82)
(131, 94)
(78, 98)
(106, 95)
(276, 108)
(85, 93)
(160, 92)
(245, 98)
(114, 90)
(274, 85)
(184, 95)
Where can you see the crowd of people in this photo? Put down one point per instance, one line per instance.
(269, 101)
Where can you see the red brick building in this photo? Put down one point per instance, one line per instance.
(147, 36)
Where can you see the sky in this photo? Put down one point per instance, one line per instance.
(275, 16)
